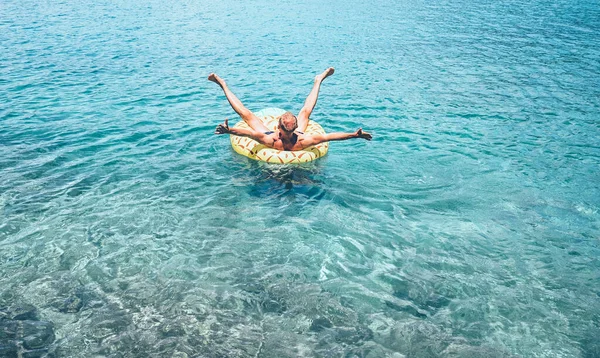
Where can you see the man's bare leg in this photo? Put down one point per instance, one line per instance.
(311, 100)
(253, 121)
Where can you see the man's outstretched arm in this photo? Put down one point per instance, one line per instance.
(257, 136)
(320, 138)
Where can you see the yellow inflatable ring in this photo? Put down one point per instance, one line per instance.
(254, 150)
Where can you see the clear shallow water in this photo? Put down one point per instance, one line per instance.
(468, 227)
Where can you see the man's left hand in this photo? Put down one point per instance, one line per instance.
(223, 128)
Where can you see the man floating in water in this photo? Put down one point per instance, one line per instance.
(290, 131)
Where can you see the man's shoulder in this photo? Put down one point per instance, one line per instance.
(305, 141)
(306, 136)
(271, 134)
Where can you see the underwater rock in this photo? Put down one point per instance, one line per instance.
(467, 351)
(353, 335)
(26, 338)
(319, 324)
(167, 345)
(590, 344)
(8, 330)
(19, 313)
(417, 339)
(9, 349)
(366, 350)
(171, 329)
(406, 308)
(273, 306)
(71, 305)
(401, 289)
(108, 320)
(88, 297)
(114, 344)
(37, 334)
(37, 353)
(437, 301)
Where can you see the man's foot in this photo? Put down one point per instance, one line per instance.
(328, 72)
(214, 78)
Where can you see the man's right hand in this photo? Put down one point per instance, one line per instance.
(223, 128)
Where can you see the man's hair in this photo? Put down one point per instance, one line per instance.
(288, 122)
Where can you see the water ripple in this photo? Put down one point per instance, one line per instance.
(467, 227)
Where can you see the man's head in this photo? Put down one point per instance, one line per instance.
(288, 122)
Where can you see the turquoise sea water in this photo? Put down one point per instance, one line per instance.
(468, 227)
